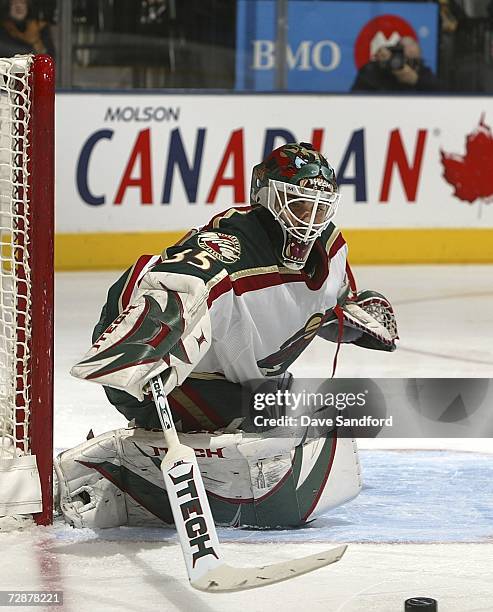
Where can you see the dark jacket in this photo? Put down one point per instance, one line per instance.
(12, 37)
(372, 77)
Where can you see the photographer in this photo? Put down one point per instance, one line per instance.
(396, 68)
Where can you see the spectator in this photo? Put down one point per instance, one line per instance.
(452, 19)
(22, 32)
(397, 68)
(448, 18)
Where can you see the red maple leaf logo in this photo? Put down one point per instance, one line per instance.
(472, 174)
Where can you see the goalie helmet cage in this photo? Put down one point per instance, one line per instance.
(26, 286)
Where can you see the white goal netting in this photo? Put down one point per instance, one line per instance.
(15, 274)
(15, 290)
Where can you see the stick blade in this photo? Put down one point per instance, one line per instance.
(227, 578)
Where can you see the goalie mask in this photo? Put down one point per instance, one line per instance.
(298, 186)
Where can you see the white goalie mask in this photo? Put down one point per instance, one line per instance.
(303, 214)
(298, 187)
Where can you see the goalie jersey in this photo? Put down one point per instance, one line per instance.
(218, 302)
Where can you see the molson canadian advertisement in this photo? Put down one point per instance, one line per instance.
(135, 172)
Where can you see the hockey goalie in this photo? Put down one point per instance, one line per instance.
(232, 305)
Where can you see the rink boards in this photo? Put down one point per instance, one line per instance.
(139, 170)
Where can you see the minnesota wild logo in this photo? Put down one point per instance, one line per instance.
(279, 362)
(224, 247)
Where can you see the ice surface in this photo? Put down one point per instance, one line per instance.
(131, 571)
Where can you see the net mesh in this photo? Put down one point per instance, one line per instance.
(15, 269)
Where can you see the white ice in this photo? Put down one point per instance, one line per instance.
(445, 318)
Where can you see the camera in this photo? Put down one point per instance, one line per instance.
(396, 60)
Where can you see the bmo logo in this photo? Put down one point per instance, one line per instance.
(384, 30)
(322, 55)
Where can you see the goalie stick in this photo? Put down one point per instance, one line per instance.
(195, 526)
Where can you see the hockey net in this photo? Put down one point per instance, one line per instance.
(26, 288)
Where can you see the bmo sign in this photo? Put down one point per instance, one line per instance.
(327, 42)
(382, 31)
(324, 55)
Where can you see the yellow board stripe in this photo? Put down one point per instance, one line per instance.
(420, 246)
(105, 251)
(366, 246)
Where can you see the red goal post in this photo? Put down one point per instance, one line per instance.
(26, 288)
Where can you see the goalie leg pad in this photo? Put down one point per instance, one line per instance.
(115, 478)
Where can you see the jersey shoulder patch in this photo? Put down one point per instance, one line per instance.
(223, 247)
(238, 239)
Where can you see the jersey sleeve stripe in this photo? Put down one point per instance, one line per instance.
(245, 284)
(180, 410)
(202, 406)
(336, 245)
(191, 412)
(351, 279)
(218, 289)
